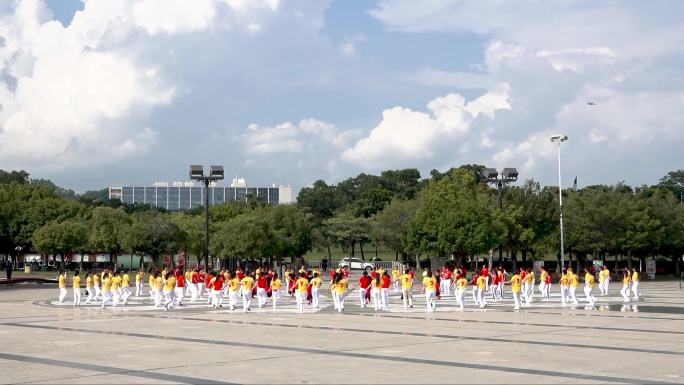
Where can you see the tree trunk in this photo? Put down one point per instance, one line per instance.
(524, 257)
(396, 256)
(514, 259)
(363, 256)
(353, 248)
(329, 254)
(629, 258)
(675, 259)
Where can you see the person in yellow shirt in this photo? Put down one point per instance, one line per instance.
(481, 287)
(376, 292)
(574, 284)
(188, 282)
(169, 290)
(565, 287)
(90, 288)
(625, 285)
(430, 289)
(233, 289)
(407, 288)
(139, 280)
(461, 287)
(106, 289)
(302, 285)
(62, 282)
(276, 285)
(635, 284)
(126, 286)
(528, 286)
(76, 283)
(543, 286)
(395, 279)
(158, 285)
(152, 282)
(97, 286)
(116, 289)
(246, 286)
(316, 283)
(589, 283)
(516, 289)
(341, 290)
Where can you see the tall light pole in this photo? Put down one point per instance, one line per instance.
(560, 139)
(508, 175)
(197, 173)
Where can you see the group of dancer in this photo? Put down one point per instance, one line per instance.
(169, 288)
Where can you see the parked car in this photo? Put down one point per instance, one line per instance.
(356, 264)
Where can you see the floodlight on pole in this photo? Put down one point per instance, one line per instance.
(560, 139)
(197, 173)
(491, 176)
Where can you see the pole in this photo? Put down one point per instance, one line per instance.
(206, 223)
(560, 201)
(499, 184)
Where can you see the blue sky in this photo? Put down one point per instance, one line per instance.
(286, 92)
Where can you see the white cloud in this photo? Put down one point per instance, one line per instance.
(407, 135)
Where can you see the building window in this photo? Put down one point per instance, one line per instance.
(184, 198)
(138, 195)
(197, 197)
(162, 194)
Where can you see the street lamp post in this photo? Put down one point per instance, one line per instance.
(508, 175)
(560, 139)
(197, 173)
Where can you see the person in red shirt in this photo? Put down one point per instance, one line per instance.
(345, 272)
(201, 279)
(386, 281)
(364, 289)
(194, 278)
(209, 288)
(217, 292)
(262, 285)
(445, 283)
(180, 286)
(240, 274)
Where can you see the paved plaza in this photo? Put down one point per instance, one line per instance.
(48, 342)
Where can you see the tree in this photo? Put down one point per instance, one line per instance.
(60, 238)
(290, 230)
(347, 230)
(153, 234)
(391, 226)
(674, 181)
(320, 201)
(246, 236)
(108, 228)
(454, 216)
(193, 228)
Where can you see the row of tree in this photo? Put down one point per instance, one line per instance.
(452, 214)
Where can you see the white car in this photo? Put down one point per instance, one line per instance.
(355, 264)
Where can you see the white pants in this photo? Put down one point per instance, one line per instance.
(548, 291)
(445, 286)
(430, 300)
(625, 293)
(315, 294)
(91, 294)
(180, 292)
(262, 297)
(564, 295)
(300, 297)
(200, 290)
(573, 295)
(589, 296)
(275, 297)
(460, 293)
(98, 292)
(216, 298)
(500, 290)
(116, 295)
(396, 286)
(604, 286)
(77, 296)
(376, 294)
(542, 289)
(338, 300)
(62, 294)
(193, 291)
(126, 293)
(106, 297)
(476, 297)
(157, 295)
(408, 296)
(481, 297)
(233, 299)
(246, 300)
(385, 297)
(516, 299)
(362, 297)
(635, 289)
(526, 293)
(139, 289)
(169, 297)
